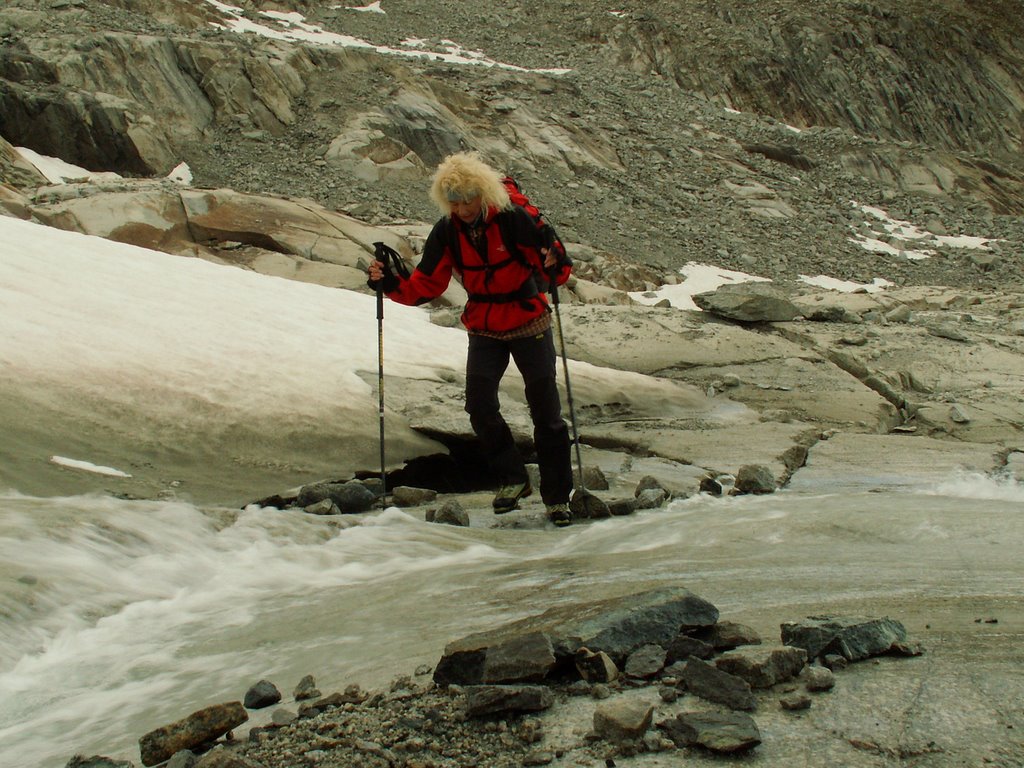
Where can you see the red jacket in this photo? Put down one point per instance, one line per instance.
(505, 287)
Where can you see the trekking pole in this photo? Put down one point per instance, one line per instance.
(583, 503)
(380, 391)
(392, 263)
(568, 385)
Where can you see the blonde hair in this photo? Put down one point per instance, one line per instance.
(464, 176)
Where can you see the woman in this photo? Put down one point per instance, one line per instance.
(504, 260)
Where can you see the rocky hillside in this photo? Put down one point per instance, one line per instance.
(744, 134)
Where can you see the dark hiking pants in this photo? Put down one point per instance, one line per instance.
(534, 356)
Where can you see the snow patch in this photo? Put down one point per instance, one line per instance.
(87, 466)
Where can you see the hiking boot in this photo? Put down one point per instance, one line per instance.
(508, 496)
(560, 515)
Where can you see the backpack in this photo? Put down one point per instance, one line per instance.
(540, 280)
(516, 195)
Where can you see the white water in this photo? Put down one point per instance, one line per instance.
(122, 616)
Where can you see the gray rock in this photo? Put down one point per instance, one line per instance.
(515, 657)
(282, 716)
(818, 678)
(709, 682)
(482, 700)
(622, 507)
(646, 661)
(621, 720)
(685, 646)
(449, 513)
(588, 506)
(899, 314)
(262, 694)
(947, 331)
(350, 497)
(852, 638)
(958, 414)
(594, 479)
(648, 483)
(405, 496)
(199, 728)
(755, 478)
(183, 759)
(795, 701)
(748, 303)
(306, 689)
(711, 486)
(727, 733)
(726, 635)
(323, 507)
(652, 498)
(763, 667)
(616, 626)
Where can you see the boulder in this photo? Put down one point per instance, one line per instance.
(755, 478)
(530, 649)
(263, 694)
(483, 700)
(199, 728)
(726, 635)
(817, 678)
(407, 496)
(853, 638)
(748, 303)
(685, 646)
(727, 733)
(646, 661)
(620, 720)
(763, 667)
(306, 689)
(449, 513)
(713, 684)
(350, 497)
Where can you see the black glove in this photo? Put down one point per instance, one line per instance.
(387, 283)
(387, 256)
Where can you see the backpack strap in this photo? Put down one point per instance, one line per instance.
(508, 237)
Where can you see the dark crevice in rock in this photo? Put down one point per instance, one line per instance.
(462, 470)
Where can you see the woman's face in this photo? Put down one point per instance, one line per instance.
(467, 210)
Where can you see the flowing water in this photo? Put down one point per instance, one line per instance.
(117, 617)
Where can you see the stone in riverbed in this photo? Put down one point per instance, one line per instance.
(350, 497)
(199, 728)
(262, 694)
(530, 649)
